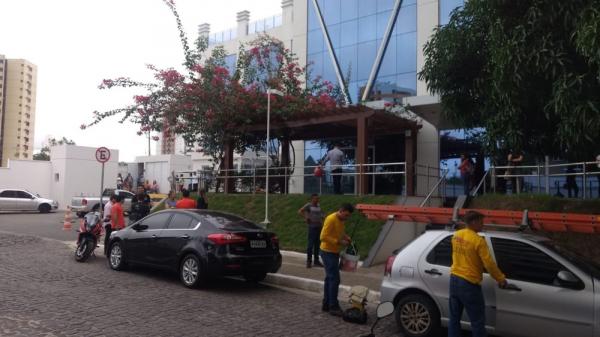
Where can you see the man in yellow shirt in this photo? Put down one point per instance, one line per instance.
(333, 238)
(470, 254)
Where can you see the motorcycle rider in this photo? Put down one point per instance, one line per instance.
(140, 205)
(106, 221)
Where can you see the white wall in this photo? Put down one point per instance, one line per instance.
(160, 167)
(32, 175)
(79, 173)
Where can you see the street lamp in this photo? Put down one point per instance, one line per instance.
(269, 92)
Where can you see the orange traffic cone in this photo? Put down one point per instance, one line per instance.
(67, 224)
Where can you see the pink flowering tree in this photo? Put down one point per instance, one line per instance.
(210, 105)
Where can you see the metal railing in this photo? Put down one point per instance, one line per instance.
(440, 182)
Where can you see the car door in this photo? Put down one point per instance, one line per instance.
(540, 305)
(142, 243)
(175, 237)
(25, 201)
(8, 200)
(434, 268)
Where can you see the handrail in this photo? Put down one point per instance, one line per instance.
(442, 178)
(481, 182)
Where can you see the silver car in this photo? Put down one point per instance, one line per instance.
(23, 200)
(552, 291)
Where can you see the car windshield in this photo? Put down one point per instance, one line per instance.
(108, 192)
(228, 221)
(581, 262)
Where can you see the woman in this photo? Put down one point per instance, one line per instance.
(154, 187)
(171, 202)
(202, 202)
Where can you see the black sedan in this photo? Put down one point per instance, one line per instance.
(198, 244)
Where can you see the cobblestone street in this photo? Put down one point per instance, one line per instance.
(45, 292)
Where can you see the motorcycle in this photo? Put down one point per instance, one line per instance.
(383, 310)
(90, 230)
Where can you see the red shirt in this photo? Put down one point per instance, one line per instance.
(186, 203)
(116, 216)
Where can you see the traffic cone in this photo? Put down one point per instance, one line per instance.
(67, 224)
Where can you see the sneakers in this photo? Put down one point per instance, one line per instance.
(325, 307)
(336, 311)
(318, 264)
(308, 264)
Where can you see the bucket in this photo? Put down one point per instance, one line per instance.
(349, 259)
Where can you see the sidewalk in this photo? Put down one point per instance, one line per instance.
(294, 274)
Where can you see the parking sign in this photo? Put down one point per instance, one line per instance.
(102, 154)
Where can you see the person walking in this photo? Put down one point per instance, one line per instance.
(313, 216)
(336, 157)
(467, 168)
(140, 205)
(106, 221)
(171, 202)
(333, 238)
(117, 221)
(202, 202)
(186, 202)
(470, 255)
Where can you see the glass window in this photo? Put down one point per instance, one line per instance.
(331, 10)
(315, 64)
(382, 21)
(349, 10)
(278, 20)
(446, 8)
(409, 2)
(227, 221)
(385, 5)
(328, 69)
(353, 91)
(269, 23)
(182, 221)
(230, 62)
(313, 20)
(388, 64)
(8, 194)
(406, 53)
(157, 221)
(366, 57)
(441, 254)
(349, 33)
(348, 58)
(23, 195)
(407, 83)
(315, 41)
(334, 35)
(260, 26)
(367, 7)
(251, 28)
(367, 28)
(523, 262)
(406, 20)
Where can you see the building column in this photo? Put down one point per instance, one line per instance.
(410, 153)
(227, 167)
(362, 153)
(204, 30)
(243, 19)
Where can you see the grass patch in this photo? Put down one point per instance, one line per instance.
(289, 226)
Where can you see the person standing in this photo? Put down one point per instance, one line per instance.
(466, 168)
(171, 202)
(106, 221)
(333, 238)
(515, 159)
(336, 157)
(117, 221)
(119, 181)
(470, 255)
(202, 202)
(140, 205)
(186, 202)
(313, 216)
(154, 187)
(571, 184)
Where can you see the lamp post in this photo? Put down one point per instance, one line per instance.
(269, 92)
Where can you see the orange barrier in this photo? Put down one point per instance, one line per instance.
(67, 223)
(547, 221)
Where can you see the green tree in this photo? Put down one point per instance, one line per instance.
(44, 153)
(526, 71)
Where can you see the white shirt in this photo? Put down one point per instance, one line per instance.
(336, 157)
(107, 209)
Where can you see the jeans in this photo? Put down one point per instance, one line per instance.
(314, 241)
(337, 181)
(107, 231)
(468, 296)
(466, 183)
(332, 279)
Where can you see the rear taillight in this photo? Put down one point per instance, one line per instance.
(226, 238)
(275, 241)
(84, 202)
(388, 265)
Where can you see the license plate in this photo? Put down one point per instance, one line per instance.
(258, 244)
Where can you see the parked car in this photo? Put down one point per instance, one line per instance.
(23, 200)
(198, 244)
(83, 205)
(553, 292)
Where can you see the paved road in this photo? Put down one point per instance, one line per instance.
(45, 292)
(44, 225)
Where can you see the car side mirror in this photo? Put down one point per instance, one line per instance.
(568, 279)
(385, 309)
(139, 227)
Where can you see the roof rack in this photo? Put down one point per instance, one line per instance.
(519, 220)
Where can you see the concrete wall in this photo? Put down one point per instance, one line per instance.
(32, 175)
(76, 172)
(428, 18)
(160, 167)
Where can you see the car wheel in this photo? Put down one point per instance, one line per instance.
(116, 257)
(44, 208)
(255, 277)
(417, 316)
(190, 271)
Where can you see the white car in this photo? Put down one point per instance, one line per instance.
(23, 200)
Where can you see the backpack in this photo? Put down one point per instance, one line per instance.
(355, 315)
